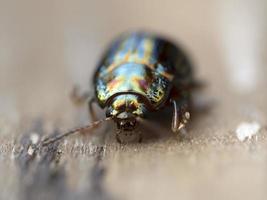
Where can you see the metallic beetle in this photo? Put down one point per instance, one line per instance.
(141, 73)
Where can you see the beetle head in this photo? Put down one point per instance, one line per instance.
(125, 109)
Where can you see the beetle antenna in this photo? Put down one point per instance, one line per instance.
(49, 140)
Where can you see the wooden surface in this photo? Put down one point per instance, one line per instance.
(47, 47)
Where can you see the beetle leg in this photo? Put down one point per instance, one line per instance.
(78, 97)
(180, 117)
(91, 111)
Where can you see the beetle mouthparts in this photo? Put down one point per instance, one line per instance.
(126, 121)
(126, 125)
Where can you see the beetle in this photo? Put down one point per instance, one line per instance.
(139, 73)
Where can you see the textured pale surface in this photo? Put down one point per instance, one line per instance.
(47, 46)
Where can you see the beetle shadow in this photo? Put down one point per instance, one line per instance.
(157, 126)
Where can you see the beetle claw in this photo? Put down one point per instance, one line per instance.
(180, 117)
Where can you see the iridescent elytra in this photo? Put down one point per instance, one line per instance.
(139, 73)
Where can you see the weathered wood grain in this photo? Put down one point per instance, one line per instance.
(42, 176)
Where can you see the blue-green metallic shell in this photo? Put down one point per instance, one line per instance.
(140, 63)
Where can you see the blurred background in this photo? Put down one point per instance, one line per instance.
(48, 46)
(45, 47)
